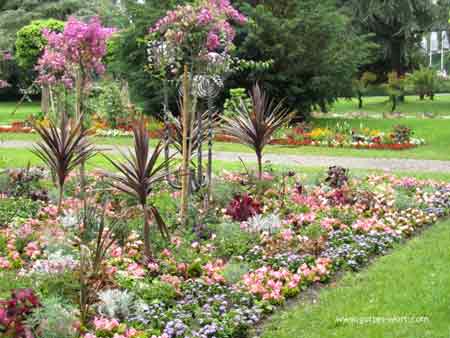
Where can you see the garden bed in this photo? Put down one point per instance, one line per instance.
(260, 244)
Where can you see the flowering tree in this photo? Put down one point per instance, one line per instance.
(74, 57)
(194, 31)
(198, 37)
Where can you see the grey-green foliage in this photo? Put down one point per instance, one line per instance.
(264, 223)
(234, 271)
(53, 320)
(403, 200)
(116, 304)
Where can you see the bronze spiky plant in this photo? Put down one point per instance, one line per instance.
(255, 125)
(63, 149)
(137, 175)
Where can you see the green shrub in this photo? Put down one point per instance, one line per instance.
(17, 208)
(232, 241)
(154, 291)
(53, 320)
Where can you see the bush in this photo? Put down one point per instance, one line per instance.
(53, 320)
(17, 208)
(232, 241)
(424, 82)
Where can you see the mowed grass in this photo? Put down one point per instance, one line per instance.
(380, 104)
(436, 132)
(411, 283)
(25, 110)
(20, 158)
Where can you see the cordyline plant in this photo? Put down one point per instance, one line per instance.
(138, 173)
(63, 149)
(254, 126)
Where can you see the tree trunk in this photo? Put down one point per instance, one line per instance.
(397, 56)
(185, 172)
(259, 159)
(394, 102)
(360, 101)
(60, 199)
(45, 99)
(147, 244)
(422, 97)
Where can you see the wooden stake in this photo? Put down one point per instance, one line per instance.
(185, 172)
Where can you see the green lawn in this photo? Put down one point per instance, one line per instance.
(25, 110)
(412, 282)
(19, 158)
(379, 104)
(435, 131)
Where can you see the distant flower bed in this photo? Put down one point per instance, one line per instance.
(342, 136)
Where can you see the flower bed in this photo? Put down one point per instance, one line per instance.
(218, 278)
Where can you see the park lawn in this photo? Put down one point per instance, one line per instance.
(25, 110)
(380, 104)
(20, 158)
(411, 282)
(435, 132)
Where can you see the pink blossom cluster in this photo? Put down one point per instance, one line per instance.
(317, 272)
(269, 284)
(106, 327)
(370, 224)
(212, 272)
(4, 84)
(80, 47)
(213, 17)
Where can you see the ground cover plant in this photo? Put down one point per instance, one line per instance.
(260, 243)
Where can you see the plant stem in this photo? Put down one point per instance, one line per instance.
(147, 245)
(186, 154)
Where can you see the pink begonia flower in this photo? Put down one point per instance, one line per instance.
(116, 252)
(32, 250)
(105, 324)
(4, 263)
(131, 332)
(154, 267)
(136, 270)
(89, 335)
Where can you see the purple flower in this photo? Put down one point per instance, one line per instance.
(213, 41)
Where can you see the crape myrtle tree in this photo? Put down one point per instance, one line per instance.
(315, 49)
(72, 59)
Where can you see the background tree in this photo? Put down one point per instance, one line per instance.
(362, 85)
(397, 27)
(315, 49)
(30, 43)
(424, 81)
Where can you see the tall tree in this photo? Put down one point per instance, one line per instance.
(397, 25)
(314, 47)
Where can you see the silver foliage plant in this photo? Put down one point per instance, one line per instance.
(116, 304)
(263, 223)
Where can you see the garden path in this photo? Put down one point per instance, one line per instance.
(305, 160)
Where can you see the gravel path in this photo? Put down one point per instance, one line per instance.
(308, 161)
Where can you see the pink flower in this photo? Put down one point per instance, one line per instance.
(116, 252)
(105, 324)
(213, 41)
(89, 335)
(32, 250)
(4, 263)
(136, 270)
